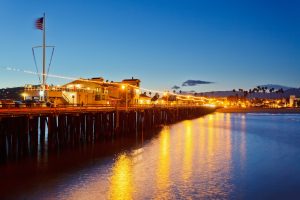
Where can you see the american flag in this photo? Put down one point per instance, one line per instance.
(39, 23)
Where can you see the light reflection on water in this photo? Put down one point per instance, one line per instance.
(121, 180)
(219, 156)
(163, 166)
(191, 159)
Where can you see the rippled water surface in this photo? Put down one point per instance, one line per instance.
(219, 156)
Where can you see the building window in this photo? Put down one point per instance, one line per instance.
(97, 97)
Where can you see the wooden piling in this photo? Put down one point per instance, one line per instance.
(19, 134)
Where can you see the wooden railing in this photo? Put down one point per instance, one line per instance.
(44, 105)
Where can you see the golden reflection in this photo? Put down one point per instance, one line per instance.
(214, 155)
(228, 137)
(243, 141)
(163, 169)
(121, 184)
(188, 151)
(211, 117)
(194, 157)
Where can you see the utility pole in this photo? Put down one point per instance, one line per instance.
(126, 99)
(44, 57)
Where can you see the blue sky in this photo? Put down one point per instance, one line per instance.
(234, 44)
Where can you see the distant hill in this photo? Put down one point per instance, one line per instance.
(273, 95)
(276, 87)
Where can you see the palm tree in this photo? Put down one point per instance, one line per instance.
(155, 97)
(281, 90)
(250, 92)
(241, 90)
(258, 88)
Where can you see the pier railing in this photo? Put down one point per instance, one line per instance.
(39, 105)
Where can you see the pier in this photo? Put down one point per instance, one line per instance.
(30, 131)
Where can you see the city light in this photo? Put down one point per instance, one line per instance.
(41, 93)
(210, 105)
(24, 95)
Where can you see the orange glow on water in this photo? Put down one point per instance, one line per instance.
(121, 183)
(163, 166)
(214, 155)
(194, 156)
(187, 151)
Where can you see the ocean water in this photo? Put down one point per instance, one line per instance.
(218, 156)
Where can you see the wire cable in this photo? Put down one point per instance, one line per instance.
(50, 63)
(38, 74)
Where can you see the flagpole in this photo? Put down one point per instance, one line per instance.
(44, 56)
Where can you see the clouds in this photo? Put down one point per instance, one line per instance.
(195, 82)
(191, 83)
(175, 87)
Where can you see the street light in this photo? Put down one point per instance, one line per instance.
(166, 94)
(42, 94)
(137, 92)
(73, 97)
(123, 88)
(24, 95)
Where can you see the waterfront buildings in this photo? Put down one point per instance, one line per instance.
(98, 92)
(94, 91)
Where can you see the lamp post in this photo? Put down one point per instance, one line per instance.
(124, 87)
(42, 94)
(73, 96)
(166, 94)
(137, 91)
(24, 96)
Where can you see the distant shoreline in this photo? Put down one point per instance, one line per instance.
(259, 110)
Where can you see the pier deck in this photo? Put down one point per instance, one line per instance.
(26, 131)
(44, 111)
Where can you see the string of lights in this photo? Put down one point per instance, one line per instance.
(119, 84)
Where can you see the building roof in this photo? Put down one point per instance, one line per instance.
(144, 96)
(132, 79)
(86, 82)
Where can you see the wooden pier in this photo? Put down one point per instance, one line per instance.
(26, 131)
